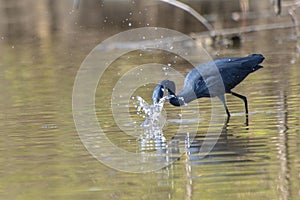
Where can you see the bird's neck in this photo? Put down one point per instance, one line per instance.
(176, 100)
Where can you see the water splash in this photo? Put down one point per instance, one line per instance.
(154, 121)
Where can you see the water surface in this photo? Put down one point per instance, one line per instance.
(42, 156)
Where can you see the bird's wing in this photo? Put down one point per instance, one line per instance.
(236, 69)
(219, 76)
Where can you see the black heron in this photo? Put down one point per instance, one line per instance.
(232, 70)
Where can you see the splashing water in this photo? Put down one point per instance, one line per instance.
(154, 121)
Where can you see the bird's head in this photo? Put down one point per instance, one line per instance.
(169, 86)
(165, 85)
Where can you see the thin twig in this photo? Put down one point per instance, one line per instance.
(76, 4)
(248, 29)
(193, 12)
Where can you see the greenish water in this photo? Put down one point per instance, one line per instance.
(42, 156)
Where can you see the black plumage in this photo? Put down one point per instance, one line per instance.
(209, 81)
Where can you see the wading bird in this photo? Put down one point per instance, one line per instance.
(202, 81)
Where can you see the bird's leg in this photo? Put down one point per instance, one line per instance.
(244, 99)
(222, 99)
(245, 103)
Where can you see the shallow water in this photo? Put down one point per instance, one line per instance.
(42, 156)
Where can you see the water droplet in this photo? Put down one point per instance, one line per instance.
(169, 64)
(293, 61)
(129, 24)
(143, 37)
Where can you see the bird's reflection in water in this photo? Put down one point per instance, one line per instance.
(152, 136)
(152, 139)
(227, 149)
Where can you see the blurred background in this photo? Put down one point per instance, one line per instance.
(44, 42)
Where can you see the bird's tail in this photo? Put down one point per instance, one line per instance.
(254, 60)
(257, 67)
(257, 57)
